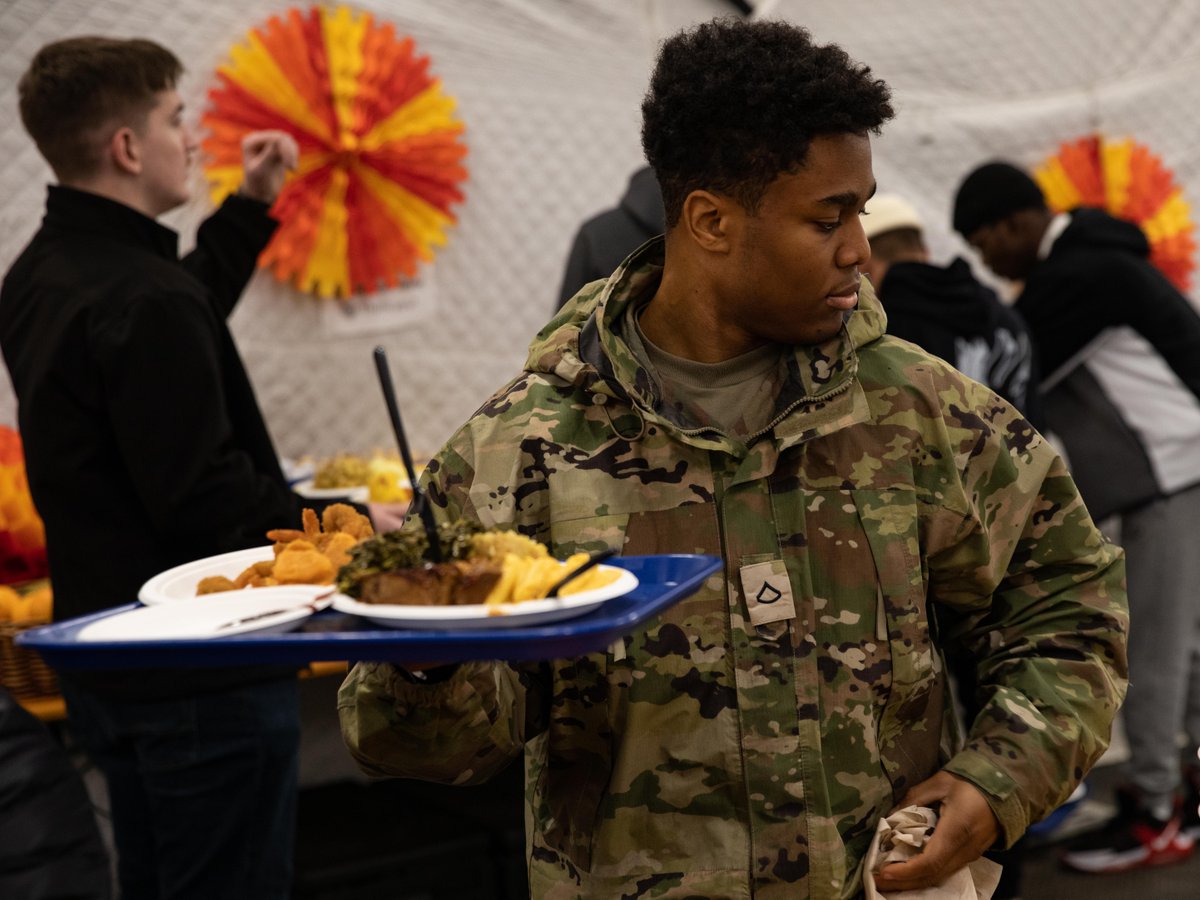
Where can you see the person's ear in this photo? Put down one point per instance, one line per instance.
(708, 219)
(125, 150)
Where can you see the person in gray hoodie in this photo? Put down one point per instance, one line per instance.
(603, 241)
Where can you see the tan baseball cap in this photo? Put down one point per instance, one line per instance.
(887, 212)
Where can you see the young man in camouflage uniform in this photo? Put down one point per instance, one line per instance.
(730, 391)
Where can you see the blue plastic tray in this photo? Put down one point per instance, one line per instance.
(330, 635)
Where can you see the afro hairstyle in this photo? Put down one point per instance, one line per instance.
(732, 105)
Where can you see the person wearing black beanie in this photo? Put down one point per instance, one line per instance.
(990, 193)
(1001, 211)
(1119, 347)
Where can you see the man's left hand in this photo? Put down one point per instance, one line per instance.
(966, 827)
(267, 157)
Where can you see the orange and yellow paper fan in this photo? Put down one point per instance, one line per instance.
(381, 153)
(1131, 183)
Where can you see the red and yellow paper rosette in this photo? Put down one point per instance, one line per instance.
(22, 535)
(1130, 182)
(381, 153)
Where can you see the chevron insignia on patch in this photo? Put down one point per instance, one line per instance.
(768, 592)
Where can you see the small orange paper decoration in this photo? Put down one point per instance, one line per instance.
(22, 535)
(1131, 183)
(380, 150)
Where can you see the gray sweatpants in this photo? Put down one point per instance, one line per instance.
(1162, 558)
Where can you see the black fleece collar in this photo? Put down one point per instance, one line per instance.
(76, 210)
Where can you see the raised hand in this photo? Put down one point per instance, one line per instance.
(267, 157)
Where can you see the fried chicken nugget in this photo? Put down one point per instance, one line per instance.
(301, 563)
(253, 575)
(337, 548)
(341, 517)
(215, 584)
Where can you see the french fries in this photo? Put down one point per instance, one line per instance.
(531, 577)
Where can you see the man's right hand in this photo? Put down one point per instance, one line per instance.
(267, 157)
(966, 828)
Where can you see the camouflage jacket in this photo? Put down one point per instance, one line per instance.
(726, 750)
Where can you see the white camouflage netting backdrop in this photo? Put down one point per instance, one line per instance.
(549, 91)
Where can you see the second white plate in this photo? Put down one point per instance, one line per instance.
(179, 583)
(264, 610)
(358, 493)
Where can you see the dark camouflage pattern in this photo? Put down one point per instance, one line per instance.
(704, 756)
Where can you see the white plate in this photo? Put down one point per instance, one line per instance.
(295, 470)
(203, 617)
(180, 582)
(507, 615)
(358, 493)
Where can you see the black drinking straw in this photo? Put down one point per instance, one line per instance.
(594, 558)
(424, 510)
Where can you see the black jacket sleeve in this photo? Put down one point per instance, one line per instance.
(1069, 301)
(228, 244)
(1166, 319)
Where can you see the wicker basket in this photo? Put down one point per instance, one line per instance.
(22, 671)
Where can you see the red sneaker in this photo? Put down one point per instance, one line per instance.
(1133, 839)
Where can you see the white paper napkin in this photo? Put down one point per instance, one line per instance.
(900, 837)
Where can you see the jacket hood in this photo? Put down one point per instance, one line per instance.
(950, 297)
(643, 201)
(1094, 228)
(582, 344)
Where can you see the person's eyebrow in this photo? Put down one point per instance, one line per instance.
(847, 198)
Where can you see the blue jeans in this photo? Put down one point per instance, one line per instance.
(202, 790)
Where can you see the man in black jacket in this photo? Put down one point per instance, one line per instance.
(145, 449)
(1120, 349)
(945, 309)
